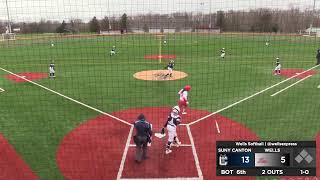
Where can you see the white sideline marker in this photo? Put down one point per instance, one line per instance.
(290, 86)
(67, 97)
(217, 126)
(1, 90)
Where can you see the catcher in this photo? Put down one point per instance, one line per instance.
(173, 121)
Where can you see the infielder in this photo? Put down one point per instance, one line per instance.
(183, 101)
(165, 42)
(277, 70)
(223, 53)
(52, 70)
(318, 57)
(170, 67)
(173, 121)
(113, 51)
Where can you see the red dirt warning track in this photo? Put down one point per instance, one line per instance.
(292, 72)
(162, 56)
(12, 165)
(94, 149)
(28, 75)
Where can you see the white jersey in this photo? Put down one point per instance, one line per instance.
(173, 120)
(183, 95)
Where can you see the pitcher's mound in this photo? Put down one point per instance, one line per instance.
(159, 75)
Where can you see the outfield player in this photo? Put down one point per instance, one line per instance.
(267, 43)
(173, 121)
(170, 67)
(113, 51)
(277, 70)
(183, 100)
(52, 70)
(223, 53)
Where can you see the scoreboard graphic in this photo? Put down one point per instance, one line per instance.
(266, 158)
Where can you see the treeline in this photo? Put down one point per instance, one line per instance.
(258, 20)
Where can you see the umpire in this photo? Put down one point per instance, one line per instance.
(142, 137)
(318, 57)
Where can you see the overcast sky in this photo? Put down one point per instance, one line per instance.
(34, 10)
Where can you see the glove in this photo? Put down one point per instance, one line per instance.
(162, 131)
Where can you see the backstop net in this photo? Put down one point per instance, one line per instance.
(79, 73)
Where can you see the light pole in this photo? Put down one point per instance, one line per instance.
(312, 20)
(9, 25)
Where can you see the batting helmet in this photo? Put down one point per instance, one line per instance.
(187, 88)
(176, 110)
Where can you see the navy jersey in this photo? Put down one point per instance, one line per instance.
(173, 120)
(170, 65)
(143, 128)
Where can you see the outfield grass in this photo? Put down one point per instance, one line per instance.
(35, 120)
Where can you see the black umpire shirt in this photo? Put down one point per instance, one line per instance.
(143, 128)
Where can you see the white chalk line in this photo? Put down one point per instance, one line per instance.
(249, 97)
(217, 126)
(67, 97)
(194, 152)
(1, 90)
(290, 86)
(124, 155)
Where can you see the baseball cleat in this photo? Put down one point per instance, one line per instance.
(176, 144)
(168, 151)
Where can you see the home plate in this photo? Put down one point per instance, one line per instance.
(159, 135)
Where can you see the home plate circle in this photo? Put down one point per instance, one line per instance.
(94, 149)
